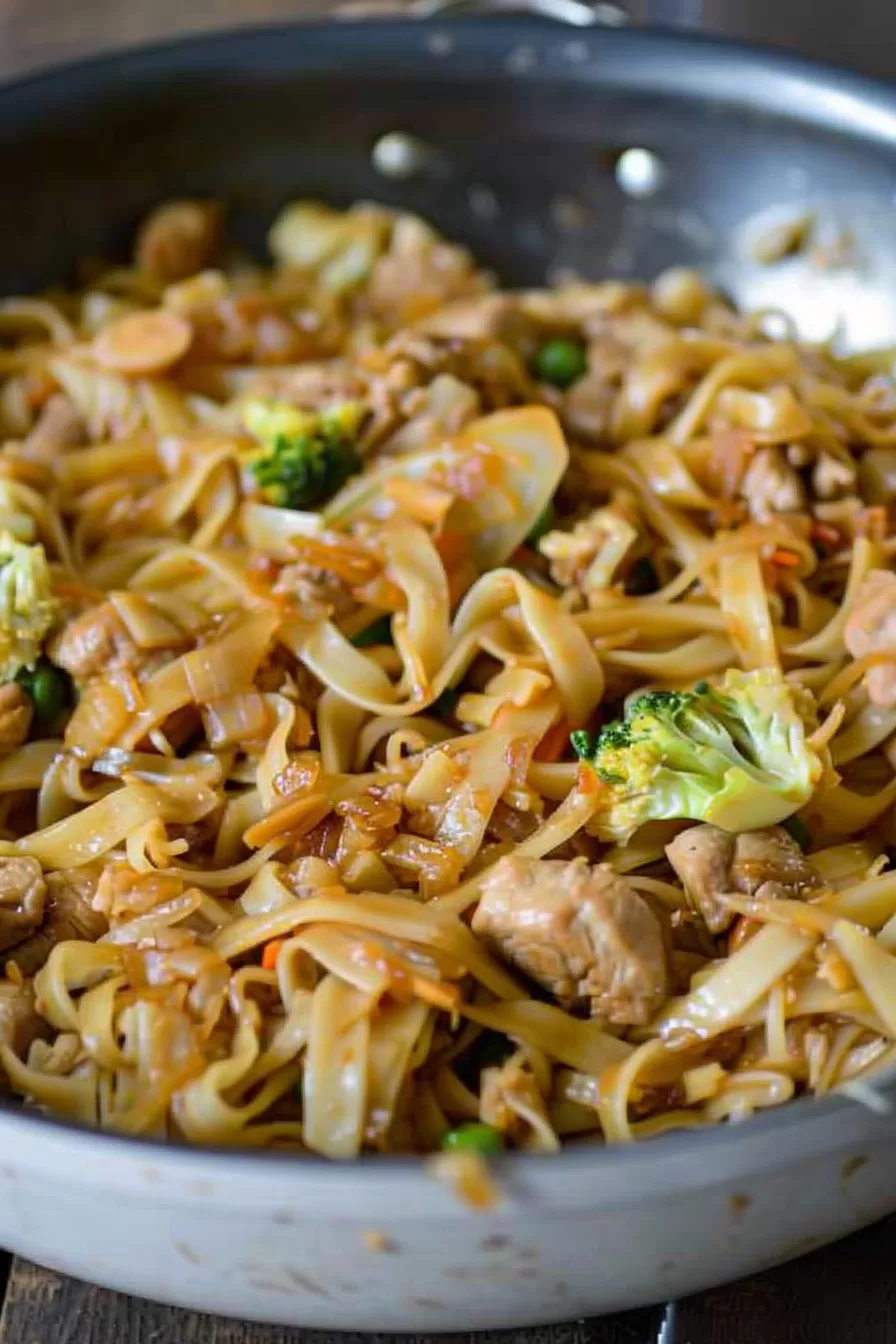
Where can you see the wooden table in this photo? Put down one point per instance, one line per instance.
(847, 1292)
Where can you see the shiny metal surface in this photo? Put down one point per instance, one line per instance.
(577, 13)
(529, 118)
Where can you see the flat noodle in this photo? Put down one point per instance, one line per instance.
(335, 1078)
(317, 585)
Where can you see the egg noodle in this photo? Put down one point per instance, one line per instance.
(316, 584)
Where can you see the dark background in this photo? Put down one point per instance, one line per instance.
(859, 33)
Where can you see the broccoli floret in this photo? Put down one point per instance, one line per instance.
(736, 755)
(306, 457)
(27, 605)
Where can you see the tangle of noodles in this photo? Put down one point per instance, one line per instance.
(275, 755)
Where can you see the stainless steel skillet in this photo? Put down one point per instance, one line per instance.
(545, 145)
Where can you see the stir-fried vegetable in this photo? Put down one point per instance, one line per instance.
(506, 468)
(736, 756)
(560, 361)
(474, 1137)
(49, 688)
(27, 606)
(307, 457)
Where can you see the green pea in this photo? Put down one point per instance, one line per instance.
(473, 1138)
(544, 523)
(378, 633)
(561, 361)
(49, 688)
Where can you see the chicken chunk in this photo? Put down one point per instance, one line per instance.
(770, 485)
(581, 932)
(20, 1023)
(765, 865)
(178, 239)
(93, 642)
(69, 914)
(588, 556)
(22, 896)
(16, 710)
(871, 628)
(419, 274)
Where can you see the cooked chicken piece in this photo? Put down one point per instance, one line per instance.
(22, 896)
(253, 328)
(413, 359)
(58, 426)
(69, 914)
(15, 716)
(20, 1023)
(764, 865)
(581, 932)
(93, 642)
(588, 556)
(770, 485)
(871, 628)
(313, 387)
(419, 274)
(178, 238)
(587, 408)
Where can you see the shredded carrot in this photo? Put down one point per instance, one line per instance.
(588, 780)
(294, 818)
(426, 503)
(344, 558)
(436, 992)
(554, 743)
(271, 953)
(784, 559)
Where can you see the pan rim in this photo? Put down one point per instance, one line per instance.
(878, 98)
(863, 105)
(828, 1118)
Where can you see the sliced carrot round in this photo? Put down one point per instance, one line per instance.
(143, 342)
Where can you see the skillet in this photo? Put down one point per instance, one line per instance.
(546, 147)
